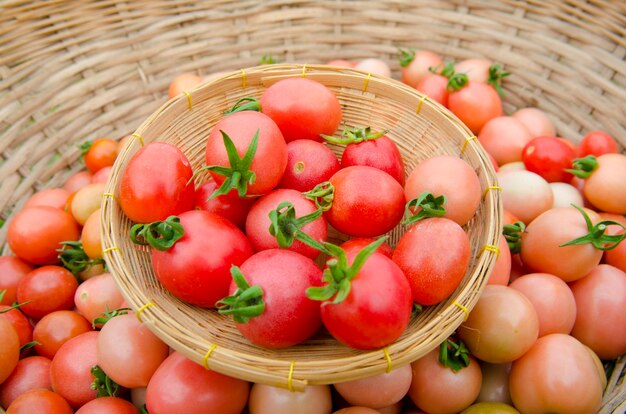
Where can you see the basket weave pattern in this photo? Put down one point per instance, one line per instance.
(73, 71)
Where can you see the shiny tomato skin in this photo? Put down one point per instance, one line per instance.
(20, 323)
(289, 316)
(46, 289)
(501, 272)
(97, 295)
(605, 188)
(596, 143)
(298, 118)
(77, 181)
(181, 386)
(55, 329)
(155, 184)
(30, 373)
(9, 349)
(53, 197)
(270, 159)
(419, 67)
(183, 82)
(601, 308)
(258, 222)
(102, 153)
(549, 157)
(377, 391)
(556, 368)
(90, 236)
(39, 401)
(359, 243)
(108, 405)
(381, 153)
(536, 121)
(368, 202)
(267, 399)
(434, 255)
(309, 163)
(70, 372)
(475, 105)
(197, 268)
(229, 206)
(36, 233)
(435, 87)
(12, 269)
(378, 308)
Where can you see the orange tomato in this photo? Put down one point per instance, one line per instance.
(101, 153)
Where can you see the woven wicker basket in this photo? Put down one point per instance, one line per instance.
(421, 130)
(73, 71)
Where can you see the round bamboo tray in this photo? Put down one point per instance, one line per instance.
(420, 128)
(75, 71)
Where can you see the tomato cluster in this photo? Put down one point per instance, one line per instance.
(555, 301)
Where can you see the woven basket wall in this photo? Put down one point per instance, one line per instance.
(75, 71)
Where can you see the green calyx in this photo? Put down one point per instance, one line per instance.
(238, 175)
(85, 147)
(322, 195)
(160, 235)
(74, 258)
(406, 56)
(456, 81)
(430, 206)
(596, 235)
(583, 167)
(338, 274)
(268, 59)
(108, 315)
(513, 235)
(354, 136)
(247, 301)
(102, 384)
(246, 104)
(454, 355)
(286, 228)
(496, 74)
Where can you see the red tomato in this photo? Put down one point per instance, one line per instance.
(9, 349)
(182, 386)
(183, 82)
(53, 197)
(435, 87)
(70, 372)
(605, 188)
(20, 323)
(416, 66)
(97, 295)
(371, 316)
(188, 272)
(55, 329)
(101, 153)
(359, 243)
(601, 303)
(617, 256)
(438, 389)
(551, 298)
(449, 176)
(265, 399)
(46, 289)
(297, 118)
(377, 391)
(39, 401)
(129, 352)
(549, 157)
(501, 327)
(368, 202)
(30, 373)
(536, 122)
(597, 143)
(102, 175)
(501, 273)
(381, 153)
(475, 104)
(108, 405)
(229, 206)
(270, 159)
(541, 244)
(36, 233)
(309, 163)
(537, 378)
(434, 255)
(504, 138)
(258, 222)
(77, 181)
(154, 184)
(289, 316)
(12, 270)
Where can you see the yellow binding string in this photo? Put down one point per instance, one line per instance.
(188, 99)
(205, 359)
(490, 188)
(388, 358)
(467, 141)
(243, 78)
(491, 248)
(419, 104)
(110, 249)
(303, 74)
(141, 309)
(138, 137)
(290, 377)
(463, 308)
(367, 81)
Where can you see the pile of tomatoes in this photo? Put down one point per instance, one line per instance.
(554, 306)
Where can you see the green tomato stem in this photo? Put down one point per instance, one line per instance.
(596, 235)
(322, 195)
(430, 206)
(584, 167)
(160, 235)
(513, 235)
(247, 301)
(246, 104)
